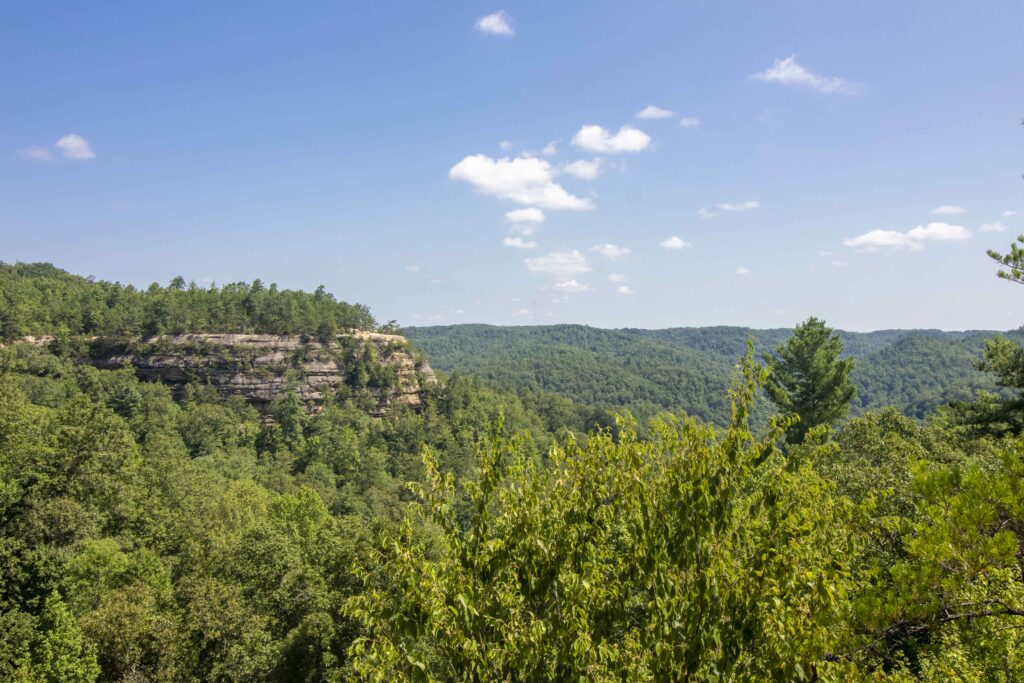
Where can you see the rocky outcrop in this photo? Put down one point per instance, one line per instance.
(260, 367)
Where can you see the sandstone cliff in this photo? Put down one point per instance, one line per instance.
(260, 367)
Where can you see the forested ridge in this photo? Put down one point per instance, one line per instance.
(689, 368)
(39, 299)
(801, 506)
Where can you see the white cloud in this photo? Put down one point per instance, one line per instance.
(878, 239)
(788, 72)
(707, 213)
(993, 227)
(36, 153)
(583, 169)
(519, 243)
(598, 139)
(505, 145)
(675, 242)
(572, 286)
(75, 147)
(624, 289)
(948, 210)
(550, 149)
(611, 251)
(743, 270)
(840, 264)
(739, 206)
(940, 232)
(912, 239)
(497, 24)
(561, 264)
(617, 277)
(521, 313)
(413, 269)
(689, 122)
(522, 180)
(1008, 213)
(528, 215)
(652, 112)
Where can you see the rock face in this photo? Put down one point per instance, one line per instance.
(260, 367)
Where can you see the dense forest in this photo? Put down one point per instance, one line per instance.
(510, 526)
(38, 299)
(689, 368)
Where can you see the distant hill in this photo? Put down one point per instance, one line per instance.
(689, 367)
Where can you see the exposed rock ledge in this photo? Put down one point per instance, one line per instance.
(260, 367)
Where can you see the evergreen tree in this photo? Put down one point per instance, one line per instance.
(808, 378)
(1013, 259)
(1003, 358)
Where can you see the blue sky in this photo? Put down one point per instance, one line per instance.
(794, 154)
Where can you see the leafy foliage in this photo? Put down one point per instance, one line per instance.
(692, 555)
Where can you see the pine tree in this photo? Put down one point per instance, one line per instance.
(1005, 359)
(1013, 259)
(808, 379)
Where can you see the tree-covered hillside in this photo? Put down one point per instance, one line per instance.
(39, 299)
(689, 368)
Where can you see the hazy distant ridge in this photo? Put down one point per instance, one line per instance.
(688, 367)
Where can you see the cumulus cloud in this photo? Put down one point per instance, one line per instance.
(550, 149)
(739, 206)
(521, 313)
(675, 242)
(522, 180)
(912, 239)
(788, 72)
(571, 286)
(561, 264)
(599, 139)
(689, 122)
(652, 112)
(617, 277)
(706, 213)
(993, 227)
(519, 243)
(75, 147)
(583, 169)
(624, 289)
(36, 153)
(611, 251)
(948, 210)
(743, 270)
(505, 145)
(1008, 213)
(497, 24)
